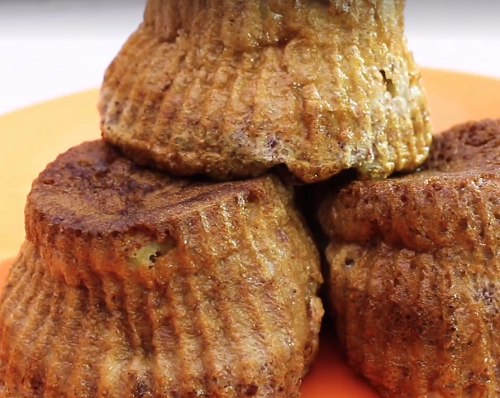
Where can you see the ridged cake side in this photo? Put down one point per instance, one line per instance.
(414, 271)
(232, 88)
(419, 324)
(219, 299)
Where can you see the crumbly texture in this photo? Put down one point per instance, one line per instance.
(414, 271)
(135, 284)
(231, 88)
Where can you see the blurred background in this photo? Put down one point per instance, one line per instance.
(50, 48)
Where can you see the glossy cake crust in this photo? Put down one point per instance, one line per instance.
(135, 284)
(231, 89)
(414, 270)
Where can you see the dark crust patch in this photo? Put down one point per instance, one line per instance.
(93, 189)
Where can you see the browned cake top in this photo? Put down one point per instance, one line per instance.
(448, 202)
(92, 189)
(470, 147)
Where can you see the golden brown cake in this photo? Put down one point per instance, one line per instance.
(135, 284)
(415, 271)
(231, 88)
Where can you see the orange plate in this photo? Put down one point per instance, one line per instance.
(32, 137)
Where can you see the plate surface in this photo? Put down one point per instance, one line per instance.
(32, 137)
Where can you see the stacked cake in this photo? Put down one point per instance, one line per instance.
(172, 259)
